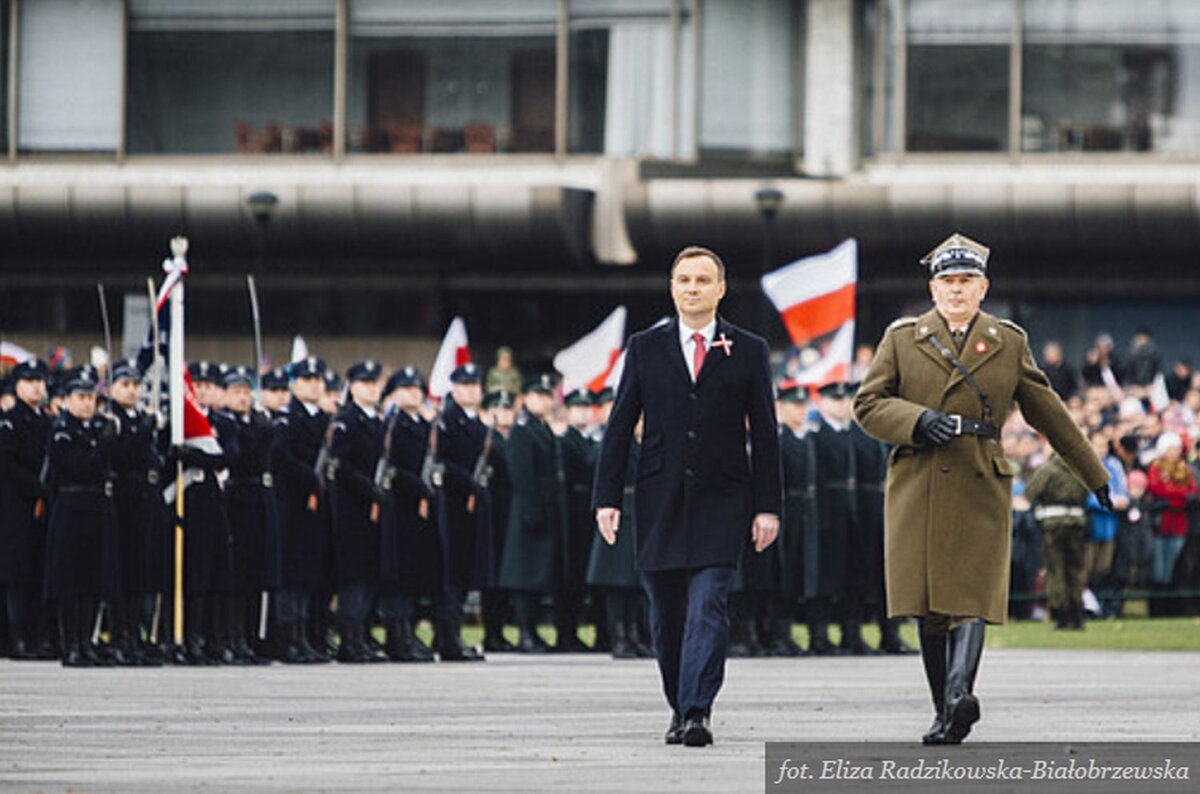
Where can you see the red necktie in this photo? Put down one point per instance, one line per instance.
(697, 355)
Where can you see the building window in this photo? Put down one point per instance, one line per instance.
(748, 77)
(1109, 75)
(69, 89)
(472, 76)
(226, 77)
(5, 54)
(957, 87)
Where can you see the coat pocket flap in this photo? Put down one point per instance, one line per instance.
(651, 463)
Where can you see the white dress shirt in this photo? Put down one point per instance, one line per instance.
(689, 344)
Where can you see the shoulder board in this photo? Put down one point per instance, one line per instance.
(63, 435)
(901, 322)
(1014, 326)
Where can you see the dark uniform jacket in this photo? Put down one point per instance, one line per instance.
(870, 472)
(799, 531)
(306, 542)
(697, 490)
(615, 566)
(470, 541)
(534, 549)
(410, 546)
(82, 556)
(357, 447)
(207, 547)
(837, 510)
(142, 519)
(579, 466)
(23, 436)
(252, 508)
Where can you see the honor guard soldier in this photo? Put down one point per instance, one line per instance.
(870, 460)
(24, 504)
(533, 563)
(939, 390)
(799, 527)
(273, 392)
(469, 540)
(82, 554)
(1059, 503)
(253, 517)
(579, 464)
(500, 415)
(299, 455)
(837, 508)
(410, 540)
(137, 496)
(207, 553)
(613, 571)
(358, 442)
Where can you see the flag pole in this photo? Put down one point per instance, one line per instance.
(178, 263)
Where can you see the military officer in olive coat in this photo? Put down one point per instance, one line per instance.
(938, 390)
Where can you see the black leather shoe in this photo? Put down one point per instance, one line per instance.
(697, 732)
(675, 730)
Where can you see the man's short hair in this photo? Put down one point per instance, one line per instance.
(693, 251)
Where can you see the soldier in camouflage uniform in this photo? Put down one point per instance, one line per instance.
(1059, 500)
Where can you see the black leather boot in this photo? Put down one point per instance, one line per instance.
(962, 707)
(818, 640)
(21, 649)
(531, 641)
(494, 640)
(639, 637)
(353, 648)
(933, 655)
(621, 649)
(69, 634)
(739, 639)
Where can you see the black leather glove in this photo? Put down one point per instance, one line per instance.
(1104, 498)
(935, 427)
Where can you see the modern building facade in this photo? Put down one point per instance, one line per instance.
(529, 163)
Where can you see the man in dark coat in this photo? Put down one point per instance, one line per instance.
(24, 504)
(301, 433)
(533, 564)
(839, 583)
(140, 512)
(82, 556)
(207, 550)
(579, 466)
(253, 518)
(358, 435)
(411, 560)
(500, 417)
(469, 541)
(696, 380)
(799, 522)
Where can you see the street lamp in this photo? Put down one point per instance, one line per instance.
(768, 200)
(262, 205)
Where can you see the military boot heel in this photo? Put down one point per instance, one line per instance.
(962, 707)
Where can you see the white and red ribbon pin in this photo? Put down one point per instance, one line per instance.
(725, 344)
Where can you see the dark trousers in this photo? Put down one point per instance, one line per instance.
(291, 606)
(354, 601)
(689, 621)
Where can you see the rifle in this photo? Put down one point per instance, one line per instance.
(433, 472)
(258, 350)
(323, 466)
(385, 472)
(481, 475)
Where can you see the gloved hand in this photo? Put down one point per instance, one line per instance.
(935, 427)
(1104, 497)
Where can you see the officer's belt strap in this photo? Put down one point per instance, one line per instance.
(969, 427)
(1042, 512)
(948, 354)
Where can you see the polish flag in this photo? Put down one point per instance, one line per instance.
(815, 298)
(591, 360)
(11, 355)
(613, 379)
(197, 430)
(452, 354)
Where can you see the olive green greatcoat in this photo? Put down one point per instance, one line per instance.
(949, 509)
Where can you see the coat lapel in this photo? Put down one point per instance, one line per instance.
(982, 343)
(715, 354)
(670, 333)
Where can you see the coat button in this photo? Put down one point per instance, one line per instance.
(945, 469)
(692, 396)
(688, 472)
(691, 434)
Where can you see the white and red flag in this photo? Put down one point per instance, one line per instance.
(453, 353)
(590, 361)
(11, 355)
(815, 297)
